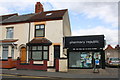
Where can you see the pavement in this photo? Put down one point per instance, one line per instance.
(72, 73)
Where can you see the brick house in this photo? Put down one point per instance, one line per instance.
(112, 52)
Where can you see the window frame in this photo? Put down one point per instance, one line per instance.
(40, 29)
(42, 50)
(7, 29)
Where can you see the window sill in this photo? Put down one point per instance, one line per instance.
(40, 60)
(38, 64)
(3, 59)
(24, 63)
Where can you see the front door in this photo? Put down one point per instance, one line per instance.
(56, 53)
(23, 55)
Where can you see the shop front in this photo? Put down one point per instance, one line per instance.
(83, 51)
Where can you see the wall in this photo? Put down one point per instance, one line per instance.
(66, 25)
(111, 53)
(61, 63)
(1, 32)
(54, 31)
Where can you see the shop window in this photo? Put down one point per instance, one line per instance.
(38, 52)
(80, 60)
(40, 30)
(5, 52)
(12, 52)
(9, 33)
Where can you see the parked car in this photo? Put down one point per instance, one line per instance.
(113, 61)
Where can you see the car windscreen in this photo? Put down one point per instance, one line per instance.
(114, 59)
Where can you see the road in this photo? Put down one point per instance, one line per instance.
(21, 77)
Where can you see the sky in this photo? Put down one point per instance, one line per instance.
(87, 17)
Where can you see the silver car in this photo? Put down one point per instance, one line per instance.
(113, 61)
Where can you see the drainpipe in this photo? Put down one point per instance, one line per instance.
(28, 39)
(29, 32)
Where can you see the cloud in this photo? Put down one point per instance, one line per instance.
(106, 11)
(111, 36)
(3, 10)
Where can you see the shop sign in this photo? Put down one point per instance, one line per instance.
(81, 42)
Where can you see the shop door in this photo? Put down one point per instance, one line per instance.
(23, 55)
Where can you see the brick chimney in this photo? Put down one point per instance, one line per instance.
(38, 7)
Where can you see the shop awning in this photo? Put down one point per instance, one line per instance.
(39, 41)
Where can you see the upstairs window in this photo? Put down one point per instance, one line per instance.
(9, 32)
(40, 30)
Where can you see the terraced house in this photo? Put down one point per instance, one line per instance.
(34, 41)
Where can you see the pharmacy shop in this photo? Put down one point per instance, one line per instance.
(83, 51)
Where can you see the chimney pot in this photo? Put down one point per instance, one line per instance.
(38, 7)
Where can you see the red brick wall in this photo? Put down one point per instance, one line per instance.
(32, 66)
(8, 63)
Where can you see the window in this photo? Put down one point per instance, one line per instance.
(38, 52)
(9, 32)
(48, 14)
(45, 54)
(37, 55)
(40, 30)
(12, 52)
(5, 52)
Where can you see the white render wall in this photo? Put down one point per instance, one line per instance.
(1, 32)
(66, 25)
(51, 56)
(20, 33)
(54, 31)
(0, 51)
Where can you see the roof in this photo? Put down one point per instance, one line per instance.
(43, 16)
(48, 15)
(3, 17)
(39, 41)
(109, 47)
(117, 47)
(20, 18)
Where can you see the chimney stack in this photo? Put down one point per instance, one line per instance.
(38, 7)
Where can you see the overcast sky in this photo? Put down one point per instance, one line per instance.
(87, 17)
